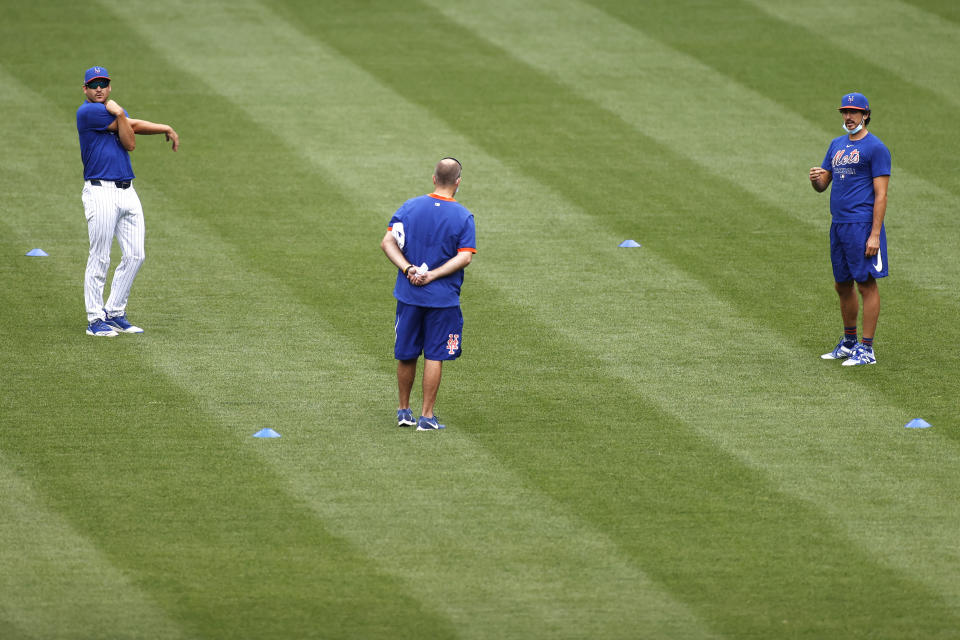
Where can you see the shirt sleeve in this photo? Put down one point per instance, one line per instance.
(94, 116)
(880, 161)
(468, 237)
(827, 165)
(398, 216)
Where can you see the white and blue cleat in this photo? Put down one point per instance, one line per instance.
(101, 329)
(122, 325)
(861, 355)
(843, 350)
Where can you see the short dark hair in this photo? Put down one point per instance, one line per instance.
(448, 171)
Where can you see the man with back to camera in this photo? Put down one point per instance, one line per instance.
(110, 202)
(430, 239)
(858, 165)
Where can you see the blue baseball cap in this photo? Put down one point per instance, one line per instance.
(854, 101)
(96, 72)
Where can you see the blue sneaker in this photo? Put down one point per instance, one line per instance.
(843, 350)
(405, 418)
(429, 424)
(100, 328)
(121, 324)
(861, 355)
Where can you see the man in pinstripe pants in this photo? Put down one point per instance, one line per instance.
(110, 202)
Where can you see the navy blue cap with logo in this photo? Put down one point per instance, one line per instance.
(854, 101)
(93, 73)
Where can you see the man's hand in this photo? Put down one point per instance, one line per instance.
(873, 245)
(420, 276)
(820, 178)
(418, 279)
(113, 108)
(172, 136)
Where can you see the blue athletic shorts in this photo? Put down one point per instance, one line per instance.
(848, 241)
(437, 333)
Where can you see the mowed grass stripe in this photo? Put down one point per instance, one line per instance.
(715, 35)
(661, 92)
(166, 493)
(919, 46)
(448, 534)
(81, 593)
(946, 10)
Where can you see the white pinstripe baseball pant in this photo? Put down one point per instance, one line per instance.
(111, 211)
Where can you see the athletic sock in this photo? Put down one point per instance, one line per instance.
(850, 334)
(867, 342)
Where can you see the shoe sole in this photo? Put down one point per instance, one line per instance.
(102, 334)
(851, 363)
(831, 356)
(419, 428)
(130, 330)
(406, 424)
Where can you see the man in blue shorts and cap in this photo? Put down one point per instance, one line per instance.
(430, 239)
(858, 165)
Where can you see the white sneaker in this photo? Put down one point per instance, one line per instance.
(100, 328)
(121, 324)
(841, 351)
(861, 355)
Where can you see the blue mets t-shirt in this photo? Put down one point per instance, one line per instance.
(432, 229)
(855, 163)
(104, 158)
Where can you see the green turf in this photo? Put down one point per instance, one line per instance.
(641, 442)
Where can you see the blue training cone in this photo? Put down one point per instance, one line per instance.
(37, 252)
(918, 423)
(629, 243)
(266, 433)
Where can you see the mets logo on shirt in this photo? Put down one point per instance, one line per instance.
(453, 343)
(841, 157)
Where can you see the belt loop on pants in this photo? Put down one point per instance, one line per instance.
(119, 184)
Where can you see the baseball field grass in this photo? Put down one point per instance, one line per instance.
(641, 443)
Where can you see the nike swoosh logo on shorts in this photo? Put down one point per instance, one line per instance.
(879, 265)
